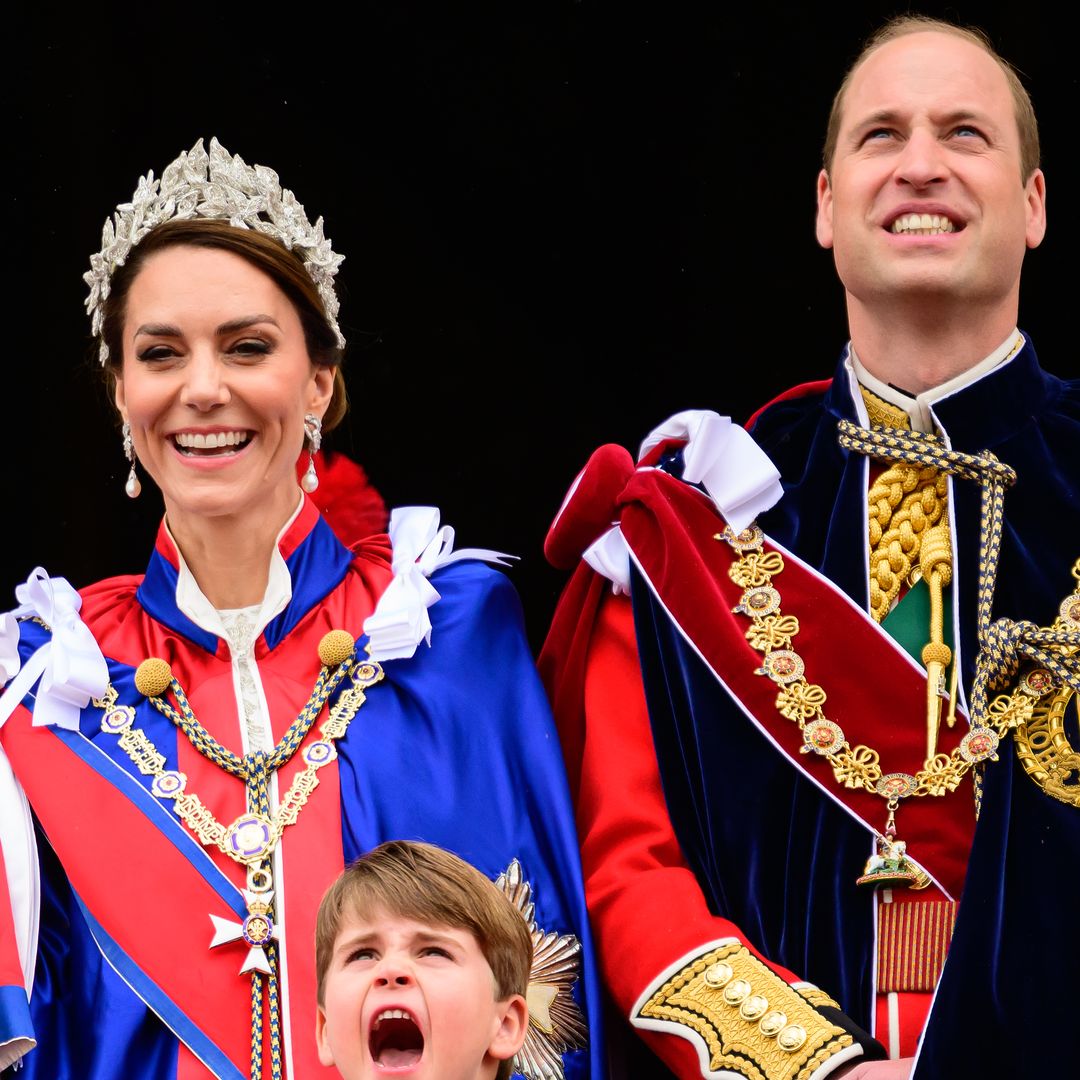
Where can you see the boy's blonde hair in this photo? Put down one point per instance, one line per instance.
(420, 881)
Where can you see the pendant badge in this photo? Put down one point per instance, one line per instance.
(258, 930)
(890, 867)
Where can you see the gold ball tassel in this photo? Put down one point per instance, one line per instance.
(153, 677)
(935, 562)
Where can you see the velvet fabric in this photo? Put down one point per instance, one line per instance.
(1029, 418)
(773, 852)
(1006, 1001)
(770, 853)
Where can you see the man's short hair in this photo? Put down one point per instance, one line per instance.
(423, 882)
(902, 26)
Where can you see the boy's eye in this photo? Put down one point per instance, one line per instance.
(361, 954)
(437, 950)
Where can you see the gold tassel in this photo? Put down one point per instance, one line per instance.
(935, 561)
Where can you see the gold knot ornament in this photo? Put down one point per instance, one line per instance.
(153, 677)
(336, 647)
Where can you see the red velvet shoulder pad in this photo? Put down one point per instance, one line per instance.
(806, 389)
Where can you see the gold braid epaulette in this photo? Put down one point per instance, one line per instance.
(817, 997)
(750, 1020)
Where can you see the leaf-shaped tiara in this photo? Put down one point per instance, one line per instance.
(224, 187)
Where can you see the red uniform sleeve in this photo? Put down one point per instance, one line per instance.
(688, 981)
(646, 906)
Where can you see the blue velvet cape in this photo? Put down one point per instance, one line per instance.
(782, 866)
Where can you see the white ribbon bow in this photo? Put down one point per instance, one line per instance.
(721, 456)
(400, 620)
(71, 666)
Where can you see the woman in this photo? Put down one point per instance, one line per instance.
(194, 754)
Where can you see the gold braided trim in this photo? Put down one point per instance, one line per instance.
(751, 1021)
(904, 502)
(817, 997)
(913, 940)
(884, 412)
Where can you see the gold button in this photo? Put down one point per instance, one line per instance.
(754, 1007)
(718, 974)
(791, 1038)
(735, 992)
(771, 1023)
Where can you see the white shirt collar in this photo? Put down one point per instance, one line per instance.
(918, 408)
(191, 600)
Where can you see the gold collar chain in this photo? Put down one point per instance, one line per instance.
(1036, 708)
(253, 836)
(855, 767)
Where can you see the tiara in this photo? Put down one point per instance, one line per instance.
(219, 186)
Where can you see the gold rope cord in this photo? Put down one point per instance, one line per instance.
(904, 501)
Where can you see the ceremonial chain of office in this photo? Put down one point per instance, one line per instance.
(1003, 645)
(252, 837)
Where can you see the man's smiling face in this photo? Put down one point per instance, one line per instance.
(924, 195)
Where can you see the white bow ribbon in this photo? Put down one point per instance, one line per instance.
(71, 666)
(400, 620)
(721, 456)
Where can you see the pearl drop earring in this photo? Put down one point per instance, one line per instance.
(313, 432)
(132, 488)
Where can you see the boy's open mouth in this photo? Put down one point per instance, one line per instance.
(395, 1041)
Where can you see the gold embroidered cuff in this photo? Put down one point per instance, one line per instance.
(817, 997)
(748, 1019)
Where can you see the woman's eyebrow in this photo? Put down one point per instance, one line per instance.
(244, 322)
(158, 330)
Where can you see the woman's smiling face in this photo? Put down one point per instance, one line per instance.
(215, 381)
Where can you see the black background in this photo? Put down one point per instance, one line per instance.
(562, 223)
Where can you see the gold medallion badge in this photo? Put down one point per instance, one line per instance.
(1044, 707)
(1044, 748)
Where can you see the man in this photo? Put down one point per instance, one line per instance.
(797, 748)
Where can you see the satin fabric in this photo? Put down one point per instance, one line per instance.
(455, 746)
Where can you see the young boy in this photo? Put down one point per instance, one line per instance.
(422, 965)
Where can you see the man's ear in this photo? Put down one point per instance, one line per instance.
(513, 1025)
(823, 228)
(1035, 193)
(326, 1055)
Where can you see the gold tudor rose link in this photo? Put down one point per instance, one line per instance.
(857, 766)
